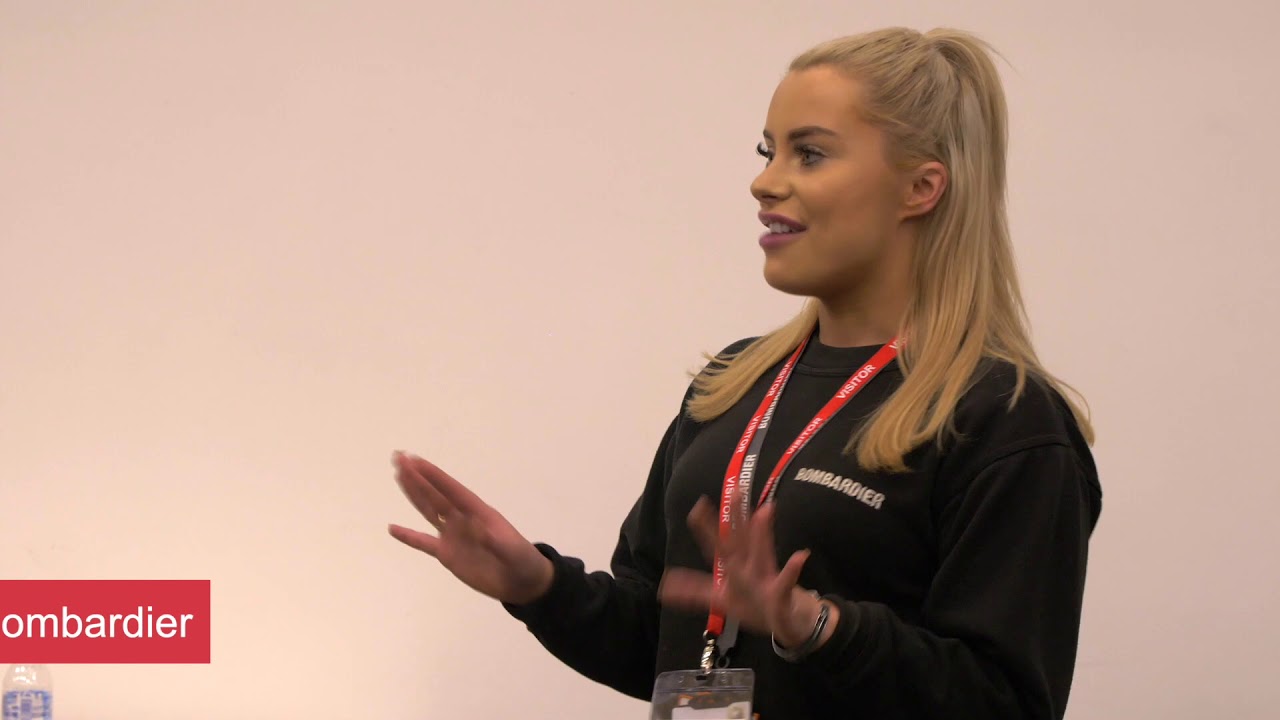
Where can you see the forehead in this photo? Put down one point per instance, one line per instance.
(816, 96)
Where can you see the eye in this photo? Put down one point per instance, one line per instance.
(763, 151)
(808, 151)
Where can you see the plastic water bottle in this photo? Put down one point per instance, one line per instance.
(28, 693)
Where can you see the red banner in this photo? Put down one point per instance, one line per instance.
(104, 621)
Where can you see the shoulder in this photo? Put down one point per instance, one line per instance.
(714, 365)
(1017, 433)
(737, 346)
(725, 357)
(1002, 414)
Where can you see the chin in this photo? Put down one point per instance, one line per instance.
(785, 279)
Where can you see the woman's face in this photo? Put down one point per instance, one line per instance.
(827, 172)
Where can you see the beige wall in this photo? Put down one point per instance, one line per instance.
(248, 249)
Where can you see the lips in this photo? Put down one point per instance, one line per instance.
(776, 222)
(771, 240)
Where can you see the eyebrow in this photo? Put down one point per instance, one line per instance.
(802, 132)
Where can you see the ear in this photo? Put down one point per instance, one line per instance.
(927, 184)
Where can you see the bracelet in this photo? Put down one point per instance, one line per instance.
(824, 613)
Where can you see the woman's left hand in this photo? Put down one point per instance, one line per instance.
(763, 598)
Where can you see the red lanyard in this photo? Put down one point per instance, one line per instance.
(742, 465)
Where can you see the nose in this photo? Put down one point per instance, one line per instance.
(769, 186)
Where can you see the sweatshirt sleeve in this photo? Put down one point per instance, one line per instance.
(1000, 624)
(605, 626)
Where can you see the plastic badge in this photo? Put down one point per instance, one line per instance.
(698, 695)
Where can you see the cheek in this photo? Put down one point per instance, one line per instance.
(855, 220)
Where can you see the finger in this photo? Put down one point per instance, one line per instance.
(764, 553)
(702, 522)
(688, 589)
(455, 493)
(414, 539)
(789, 577)
(424, 497)
(739, 580)
(779, 606)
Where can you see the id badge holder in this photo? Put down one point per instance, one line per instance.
(716, 694)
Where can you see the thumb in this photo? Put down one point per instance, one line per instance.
(788, 578)
(782, 606)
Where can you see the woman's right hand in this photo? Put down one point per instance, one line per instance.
(473, 541)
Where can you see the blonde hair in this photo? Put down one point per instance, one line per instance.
(937, 96)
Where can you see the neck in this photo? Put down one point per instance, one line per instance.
(871, 314)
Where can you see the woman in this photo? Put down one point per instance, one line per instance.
(929, 491)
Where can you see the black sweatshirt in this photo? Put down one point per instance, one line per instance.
(959, 583)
